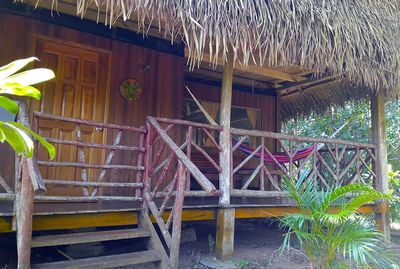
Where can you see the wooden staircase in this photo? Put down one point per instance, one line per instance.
(155, 252)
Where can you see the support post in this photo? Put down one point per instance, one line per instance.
(226, 216)
(381, 164)
(177, 218)
(24, 213)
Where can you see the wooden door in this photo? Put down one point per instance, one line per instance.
(80, 90)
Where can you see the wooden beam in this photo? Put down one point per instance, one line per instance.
(381, 164)
(107, 219)
(254, 69)
(305, 84)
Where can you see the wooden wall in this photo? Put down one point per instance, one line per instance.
(266, 104)
(160, 74)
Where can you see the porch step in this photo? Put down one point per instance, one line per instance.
(111, 261)
(88, 237)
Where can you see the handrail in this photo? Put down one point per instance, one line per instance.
(273, 135)
(197, 174)
(88, 122)
(188, 123)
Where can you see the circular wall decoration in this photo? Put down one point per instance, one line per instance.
(131, 89)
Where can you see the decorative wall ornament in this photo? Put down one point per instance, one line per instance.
(131, 89)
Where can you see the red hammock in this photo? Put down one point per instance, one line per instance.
(280, 157)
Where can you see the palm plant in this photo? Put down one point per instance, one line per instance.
(330, 231)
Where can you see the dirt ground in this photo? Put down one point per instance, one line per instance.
(255, 242)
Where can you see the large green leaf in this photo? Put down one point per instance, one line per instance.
(29, 77)
(25, 139)
(9, 105)
(11, 68)
(13, 138)
(19, 90)
(49, 147)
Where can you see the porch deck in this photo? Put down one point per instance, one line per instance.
(134, 164)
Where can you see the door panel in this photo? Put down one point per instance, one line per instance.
(80, 90)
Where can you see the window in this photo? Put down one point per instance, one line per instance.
(241, 118)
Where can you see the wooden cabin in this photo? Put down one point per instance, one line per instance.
(132, 142)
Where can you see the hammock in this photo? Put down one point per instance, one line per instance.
(280, 157)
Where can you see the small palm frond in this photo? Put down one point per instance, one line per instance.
(341, 192)
(353, 240)
(350, 207)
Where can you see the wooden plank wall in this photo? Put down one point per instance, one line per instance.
(266, 104)
(160, 74)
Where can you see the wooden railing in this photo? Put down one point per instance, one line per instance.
(328, 162)
(106, 180)
(168, 172)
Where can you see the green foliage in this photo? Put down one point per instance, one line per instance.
(358, 129)
(330, 231)
(20, 84)
(394, 185)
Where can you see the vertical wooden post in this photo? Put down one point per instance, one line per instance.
(381, 164)
(177, 218)
(147, 162)
(24, 213)
(24, 202)
(226, 216)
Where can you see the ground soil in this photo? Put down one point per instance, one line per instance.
(256, 241)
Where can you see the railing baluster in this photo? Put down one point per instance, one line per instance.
(262, 164)
(81, 157)
(188, 153)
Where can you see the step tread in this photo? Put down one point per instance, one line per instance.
(110, 261)
(88, 237)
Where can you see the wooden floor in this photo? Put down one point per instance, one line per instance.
(104, 218)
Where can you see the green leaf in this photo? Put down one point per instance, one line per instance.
(26, 140)
(9, 105)
(11, 68)
(29, 77)
(49, 147)
(19, 90)
(2, 136)
(13, 138)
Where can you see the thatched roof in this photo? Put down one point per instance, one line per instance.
(318, 99)
(356, 39)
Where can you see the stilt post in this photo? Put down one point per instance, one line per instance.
(226, 216)
(24, 202)
(381, 165)
(177, 218)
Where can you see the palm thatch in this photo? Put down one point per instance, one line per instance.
(319, 98)
(354, 39)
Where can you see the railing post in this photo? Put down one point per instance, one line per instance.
(226, 216)
(24, 213)
(23, 202)
(177, 218)
(381, 164)
(147, 162)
